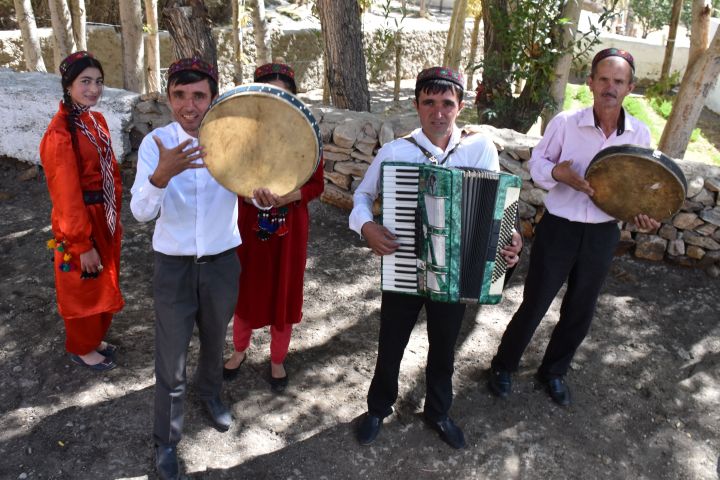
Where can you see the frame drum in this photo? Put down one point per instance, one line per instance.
(258, 135)
(629, 180)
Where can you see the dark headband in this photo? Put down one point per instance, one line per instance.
(272, 68)
(195, 64)
(613, 52)
(72, 58)
(441, 73)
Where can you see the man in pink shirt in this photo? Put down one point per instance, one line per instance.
(575, 240)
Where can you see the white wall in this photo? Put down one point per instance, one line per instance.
(713, 100)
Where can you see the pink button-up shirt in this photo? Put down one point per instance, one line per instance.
(574, 136)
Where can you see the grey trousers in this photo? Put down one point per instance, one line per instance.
(187, 293)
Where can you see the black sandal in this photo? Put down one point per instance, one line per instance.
(104, 366)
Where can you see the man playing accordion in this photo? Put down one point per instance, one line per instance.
(438, 101)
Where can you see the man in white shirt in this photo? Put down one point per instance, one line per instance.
(196, 265)
(438, 101)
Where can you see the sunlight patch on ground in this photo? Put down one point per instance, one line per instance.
(27, 418)
(229, 450)
(22, 233)
(703, 389)
(695, 456)
(707, 346)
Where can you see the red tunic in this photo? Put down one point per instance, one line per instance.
(81, 226)
(271, 282)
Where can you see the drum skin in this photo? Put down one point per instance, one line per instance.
(629, 180)
(258, 135)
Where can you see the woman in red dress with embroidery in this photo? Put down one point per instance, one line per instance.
(273, 261)
(84, 184)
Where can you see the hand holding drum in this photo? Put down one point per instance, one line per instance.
(636, 184)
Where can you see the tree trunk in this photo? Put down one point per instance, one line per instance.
(456, 35)
(28, 29)
(629, 23)
(670, 45)
(473, 52)
(700, 28)
(699, 79)
(346, 74)
(493, 48)
(152, 44)
(77, 14)
(398, 64)
(62, 30)
(132, 45)
(423, 8)
(189, 27)
(326, 100)
(262, 40)
(238, 8)
(571, 11)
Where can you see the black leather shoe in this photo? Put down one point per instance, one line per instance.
(218, 413)
(500, 383)
(368, 428)
(448, 431)
(232, 373)
(557, 389)
(278, 385)
(166, 462)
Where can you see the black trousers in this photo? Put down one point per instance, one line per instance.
(186, 294)
(398, 315)
(580, 253)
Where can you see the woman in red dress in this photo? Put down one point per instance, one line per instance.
(272, 259)
(84, 184)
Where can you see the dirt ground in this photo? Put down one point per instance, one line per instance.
(646, 382)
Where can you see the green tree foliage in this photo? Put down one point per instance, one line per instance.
(380, 50)
(652, 15)
(522, 47)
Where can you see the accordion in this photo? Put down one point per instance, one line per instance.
(451, 224)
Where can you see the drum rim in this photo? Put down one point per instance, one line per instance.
(628, 149)
(271, 91)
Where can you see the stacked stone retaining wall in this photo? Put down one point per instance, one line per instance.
(690, 238)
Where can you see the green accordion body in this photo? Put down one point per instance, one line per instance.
(451, 224)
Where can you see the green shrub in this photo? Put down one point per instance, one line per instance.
(661, 89)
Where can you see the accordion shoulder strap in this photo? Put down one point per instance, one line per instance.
(433, 159)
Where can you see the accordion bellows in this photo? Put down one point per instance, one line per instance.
(451, 224)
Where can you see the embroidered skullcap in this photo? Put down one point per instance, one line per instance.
(271, 68)
(614, 52)
(441, 73)
(195, 64)
(72, 58)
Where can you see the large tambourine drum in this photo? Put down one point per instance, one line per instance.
(629, 180)
(258, 135)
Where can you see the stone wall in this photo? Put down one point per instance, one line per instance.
(351, 140)
(690, 238)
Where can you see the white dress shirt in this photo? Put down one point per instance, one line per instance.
(198, 216)
(475, 151)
